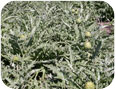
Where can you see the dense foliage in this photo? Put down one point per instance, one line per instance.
(57, 45)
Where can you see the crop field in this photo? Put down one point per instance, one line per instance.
(57, 44)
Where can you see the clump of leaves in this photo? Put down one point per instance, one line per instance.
(43, 45)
